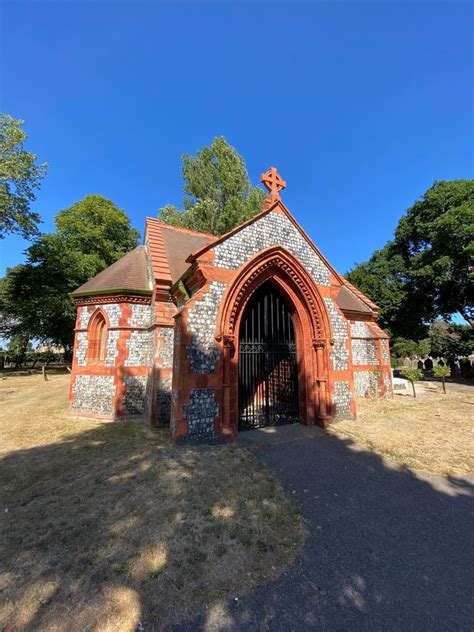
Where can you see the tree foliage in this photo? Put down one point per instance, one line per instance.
(34, 296)
(449, 340)
(384, 278)
(406, 348)
(436, 239)
(219, 193)
(427, 271)
(20, 178)
(413, 375)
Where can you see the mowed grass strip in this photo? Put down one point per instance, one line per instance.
(433, 432)
(105, 525)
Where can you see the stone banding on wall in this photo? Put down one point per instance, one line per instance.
(140, 345)
(202, 352)
(113, 311)
(366, 383)
(339, 351)
(141, 316)
(342, 400)
(112, 349)
(166, 347)
(200, 414)
(94, 394)
(272, 229)
(360, 329)
(364, 351)
(81, 348)
(85, 314)
(387, 380)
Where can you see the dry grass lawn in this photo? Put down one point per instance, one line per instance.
(433, 432)
(105, 525)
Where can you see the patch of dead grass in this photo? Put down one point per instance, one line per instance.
(108, 525)
(433, 432)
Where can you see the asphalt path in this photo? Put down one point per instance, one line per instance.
(388, 548)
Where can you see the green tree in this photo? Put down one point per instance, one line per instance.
(384, 279)
(450, 340)
(404, 348)
(443, 340)
(20, 178)
(17, 350)
(219, 193)
(427, 271)
(436, 239)
(34, 296)
(96, 228)
(413, 375)
(443, 372)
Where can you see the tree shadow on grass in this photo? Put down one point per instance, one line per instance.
(113, 526)
(388, 548)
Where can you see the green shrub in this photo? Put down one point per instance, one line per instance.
(413, 375)
(443, 372)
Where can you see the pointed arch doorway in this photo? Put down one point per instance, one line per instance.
(294, 288)
(268, 370)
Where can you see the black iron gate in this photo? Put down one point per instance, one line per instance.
(268, 382)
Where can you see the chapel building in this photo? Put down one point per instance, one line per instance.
(214, 335)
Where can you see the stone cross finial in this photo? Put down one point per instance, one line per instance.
(272, 180)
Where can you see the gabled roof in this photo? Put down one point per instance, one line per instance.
(349, 297)
(128, 274)
(170, 247)
(360, 295)
(348, 301)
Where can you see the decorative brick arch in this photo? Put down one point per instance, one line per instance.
(98, 319)
(312, 329)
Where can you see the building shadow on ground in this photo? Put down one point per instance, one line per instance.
(388, 548)
(86, 545)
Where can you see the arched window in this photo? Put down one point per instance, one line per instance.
(98, 338)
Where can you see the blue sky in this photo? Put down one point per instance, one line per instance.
(361, 106)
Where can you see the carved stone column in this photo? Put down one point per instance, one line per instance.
(228, 349)
(321, 382)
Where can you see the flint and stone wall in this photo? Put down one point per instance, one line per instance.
(339, 351)
(142, 356)
(95, 386)
(93, 394)
(272, 229)
(342, 400)
(365, 343)
(200, 414)
(203, 353)
(366, 383)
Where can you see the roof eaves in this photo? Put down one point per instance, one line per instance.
(360, 295)
(181, 229)
(115, 290)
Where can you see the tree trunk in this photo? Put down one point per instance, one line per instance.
(444, 385)
(413, 387)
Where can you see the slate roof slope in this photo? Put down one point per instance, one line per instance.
(130, 273)
(348, 301)
(170, 247)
